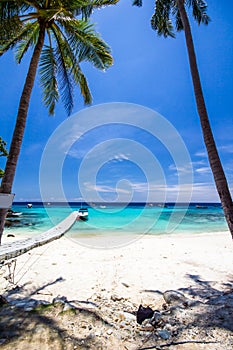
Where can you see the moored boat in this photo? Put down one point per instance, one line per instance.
(83, 214)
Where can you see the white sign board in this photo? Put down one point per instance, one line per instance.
(6, 200)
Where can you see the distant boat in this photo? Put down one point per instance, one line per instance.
(163, 205)
(29, 205)
(83, 214)
(201, 206)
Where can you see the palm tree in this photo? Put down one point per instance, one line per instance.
(161, 22)
(60, 35)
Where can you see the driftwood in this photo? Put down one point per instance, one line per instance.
(12, 250)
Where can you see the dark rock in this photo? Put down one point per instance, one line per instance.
(144, 313)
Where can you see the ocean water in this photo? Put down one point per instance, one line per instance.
(113, 220)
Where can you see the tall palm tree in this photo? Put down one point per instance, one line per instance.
(60, 36)
(161, 22)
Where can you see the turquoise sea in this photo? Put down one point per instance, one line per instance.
(115, 219)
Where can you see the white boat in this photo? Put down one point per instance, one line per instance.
(83, 214)
(29, 205)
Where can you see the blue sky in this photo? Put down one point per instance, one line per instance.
(149, 71)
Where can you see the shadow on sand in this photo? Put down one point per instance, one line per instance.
(26, 323)
(211, 307)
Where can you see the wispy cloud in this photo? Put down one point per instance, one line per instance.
(203, 170)
(104, 188)
(187, 169)
(226, 148)
(201, 154)
(200, 162)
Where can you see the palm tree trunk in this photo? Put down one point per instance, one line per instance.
(8, 178)
(214, 160)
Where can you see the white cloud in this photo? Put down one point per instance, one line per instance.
(201, 154)
(104, 188)
(200, 162)
(203, 170)
(226, 148)
(187, 169)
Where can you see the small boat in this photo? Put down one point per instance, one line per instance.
(201, 206)
(29, 205)
(83, 214)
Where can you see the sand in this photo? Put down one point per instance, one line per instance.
(66, 267)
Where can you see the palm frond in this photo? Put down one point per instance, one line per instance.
(9, 28)
(48, 81)
(30, 39)
(81, 81)
(6, 45)
(87, 44)
(86, 7)
(199, 8)
(160, 21)
(9, 9)
(64, 78)
(137, 3)
(176, 14)
(74, 70)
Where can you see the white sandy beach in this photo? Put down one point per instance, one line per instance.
(150, 263)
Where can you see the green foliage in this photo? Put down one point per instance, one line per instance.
(3, 153)
(166, 17)
(70, 40)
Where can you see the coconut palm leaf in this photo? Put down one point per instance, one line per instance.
(48, 71)
(81, 81)
(137, 3)
(161, 21)
(72, 64)
(87, 44)
(63, 69)
(9, 28)
(29, 40)
(199, 8)
(176, 15)
(9, 9)
(21, 34)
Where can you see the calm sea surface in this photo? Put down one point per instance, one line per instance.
(108, 219)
